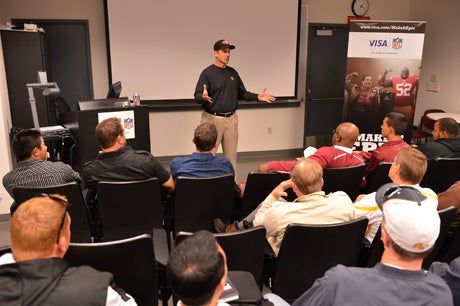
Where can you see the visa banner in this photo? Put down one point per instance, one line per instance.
(383, 69)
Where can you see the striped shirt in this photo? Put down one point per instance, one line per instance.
(39, 173)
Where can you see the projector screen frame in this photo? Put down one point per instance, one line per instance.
(294, 95)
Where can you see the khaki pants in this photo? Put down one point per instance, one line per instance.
(227, 129)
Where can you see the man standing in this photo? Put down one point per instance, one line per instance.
(218, 90)
(36, 273)
(202, 162)
(119, 162)
(409, 232)
(405, 90)
(393, 126)
(339, 155)
(408, 168)
(312, 205)
(446, 143)
(33, 169)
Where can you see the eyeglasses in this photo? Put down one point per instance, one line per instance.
(60, 200)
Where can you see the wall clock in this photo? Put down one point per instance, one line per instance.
(360, 7)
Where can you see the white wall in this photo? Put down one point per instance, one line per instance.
(440, 54)
(440, 57)
(5, 124)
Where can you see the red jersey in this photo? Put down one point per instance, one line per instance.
(404, 89)
(327, 157)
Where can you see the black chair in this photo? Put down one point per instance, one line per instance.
(347, 179)
(258, 187)
(308, 251)
(244, 250)
(81, 225)
(62, 108)
(373, 254)
(131, 261)
(446, 215)
(451, 248)
(130, 208)
(198, 201)
(441, 173)
(379, 177)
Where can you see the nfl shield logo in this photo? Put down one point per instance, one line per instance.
(397, 43)
(128, 123)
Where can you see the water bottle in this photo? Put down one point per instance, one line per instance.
(136, 99)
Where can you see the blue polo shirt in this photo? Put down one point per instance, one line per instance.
(200, 165)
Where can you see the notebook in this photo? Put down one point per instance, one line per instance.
(230, 292)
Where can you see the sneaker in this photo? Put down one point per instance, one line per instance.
(219, 225)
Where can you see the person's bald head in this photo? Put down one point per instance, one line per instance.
(345, 135)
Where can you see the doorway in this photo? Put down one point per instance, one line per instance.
(68, 59)
(326, 69)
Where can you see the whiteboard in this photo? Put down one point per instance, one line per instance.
(158, 48)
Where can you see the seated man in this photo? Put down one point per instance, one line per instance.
(33, 169)
(119, 162)
(197, 270)
(409, 232)
(202, 162)
(312, 206)
(36, 273)
(339, 155)
(393, 126)
(446, 143)
(408, 169)
(450, 273)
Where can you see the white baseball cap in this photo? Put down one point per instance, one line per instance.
(412, 223)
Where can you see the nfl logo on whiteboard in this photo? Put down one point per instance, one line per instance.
(128, 123)
(397, 43)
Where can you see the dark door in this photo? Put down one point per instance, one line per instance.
(326, 68)
(24, 54)
(69, 57)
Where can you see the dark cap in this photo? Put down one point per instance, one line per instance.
(222, 45)
(392, 191)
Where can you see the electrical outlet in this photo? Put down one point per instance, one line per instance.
(269, 130)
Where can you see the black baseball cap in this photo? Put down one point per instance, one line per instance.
(222, 45)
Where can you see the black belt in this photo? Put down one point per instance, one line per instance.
(227, 114)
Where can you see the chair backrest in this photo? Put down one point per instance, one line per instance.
(375, 250)
(244, 250)
(446, 215)
(78, 210)
(198, 201)
(131, 261)
(428, 124)
(258, 187)
(130, 208)
(347, 179)
(441, 173)
(379, 177)
(308, 251)
(62, 107)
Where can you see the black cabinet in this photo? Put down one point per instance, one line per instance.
(24, 54)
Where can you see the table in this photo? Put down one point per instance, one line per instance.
(437, 116)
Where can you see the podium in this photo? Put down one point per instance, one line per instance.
(82, 125)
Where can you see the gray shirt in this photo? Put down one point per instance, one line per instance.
(380, 285)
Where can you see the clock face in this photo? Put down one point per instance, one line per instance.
(360, 7)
